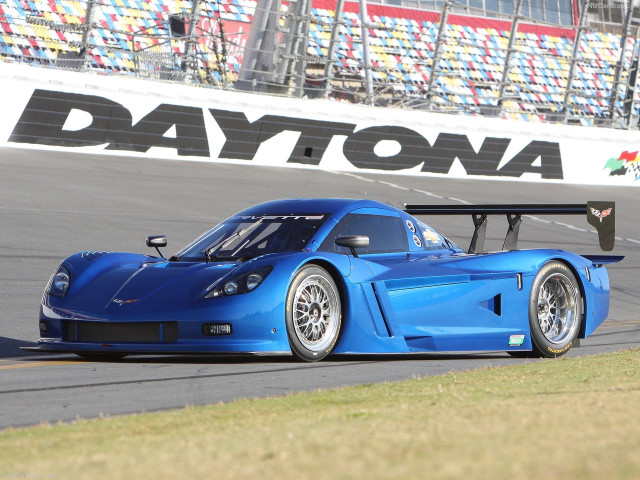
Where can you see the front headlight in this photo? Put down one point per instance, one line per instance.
(243, 283)
(59, 282)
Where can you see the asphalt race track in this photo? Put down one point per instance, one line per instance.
(53, 204)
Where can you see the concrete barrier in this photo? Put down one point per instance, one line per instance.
(69, 111)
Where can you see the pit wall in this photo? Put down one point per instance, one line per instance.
(82, 112)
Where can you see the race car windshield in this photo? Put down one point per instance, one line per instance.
(249, 236)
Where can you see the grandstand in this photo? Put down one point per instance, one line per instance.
(564, 63)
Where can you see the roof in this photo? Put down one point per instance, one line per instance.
(335, 206)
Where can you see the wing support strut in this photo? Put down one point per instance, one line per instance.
(511, 239)
(477, 241)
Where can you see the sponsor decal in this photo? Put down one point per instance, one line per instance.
(416, 240)
(120, 302)
(431, 236)
(516, 340)
(90, 255)
(626, 164)
(110, 126)
(277, 217)
(214, 329)
(560, 350)
(601, 214)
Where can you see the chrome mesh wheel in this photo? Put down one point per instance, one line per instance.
(316, 313)
(558, 308)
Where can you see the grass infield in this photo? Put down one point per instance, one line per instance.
(563, 419)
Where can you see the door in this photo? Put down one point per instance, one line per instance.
(433, 296)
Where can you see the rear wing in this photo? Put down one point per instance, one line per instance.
(600, 215)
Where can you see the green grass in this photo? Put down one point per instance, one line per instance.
(566, 418)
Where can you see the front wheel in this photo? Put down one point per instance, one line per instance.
(555, 310)
(313, 314)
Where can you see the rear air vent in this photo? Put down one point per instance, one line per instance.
(493, 304)
(497, 305)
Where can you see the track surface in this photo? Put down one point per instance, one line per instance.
(54, 204)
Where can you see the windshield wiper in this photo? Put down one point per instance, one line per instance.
(240, 233)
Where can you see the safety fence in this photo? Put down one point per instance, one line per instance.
(510, 66)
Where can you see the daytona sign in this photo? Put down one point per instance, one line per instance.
(44, 121)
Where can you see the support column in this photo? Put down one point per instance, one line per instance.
(510, 50)
(258, 62)
(190, 59)
(86, 33)
(437, 51)
(368, 80)
(574, 57)
(613, 99)
(632, 85)
(331, 60)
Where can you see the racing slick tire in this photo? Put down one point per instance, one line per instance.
(555, 311)
(313, 314)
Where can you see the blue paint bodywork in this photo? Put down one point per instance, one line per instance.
(411, 301)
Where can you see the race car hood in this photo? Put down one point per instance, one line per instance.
(142, 286)
(167, 284)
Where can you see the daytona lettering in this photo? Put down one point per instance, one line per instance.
(43, 122)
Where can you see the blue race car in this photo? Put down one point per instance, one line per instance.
(310, 277)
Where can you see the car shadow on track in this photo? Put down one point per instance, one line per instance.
(239, 359)
(10, 347)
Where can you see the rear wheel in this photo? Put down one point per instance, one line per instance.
(555, 310)
(313, 314)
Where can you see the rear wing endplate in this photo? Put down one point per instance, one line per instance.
(600, 215)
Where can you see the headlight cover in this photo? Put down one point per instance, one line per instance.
(244, 283)
(59, 282)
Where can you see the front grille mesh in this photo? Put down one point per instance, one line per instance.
(121, 332)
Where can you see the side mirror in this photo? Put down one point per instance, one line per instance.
(352, 242)
(157, 241)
